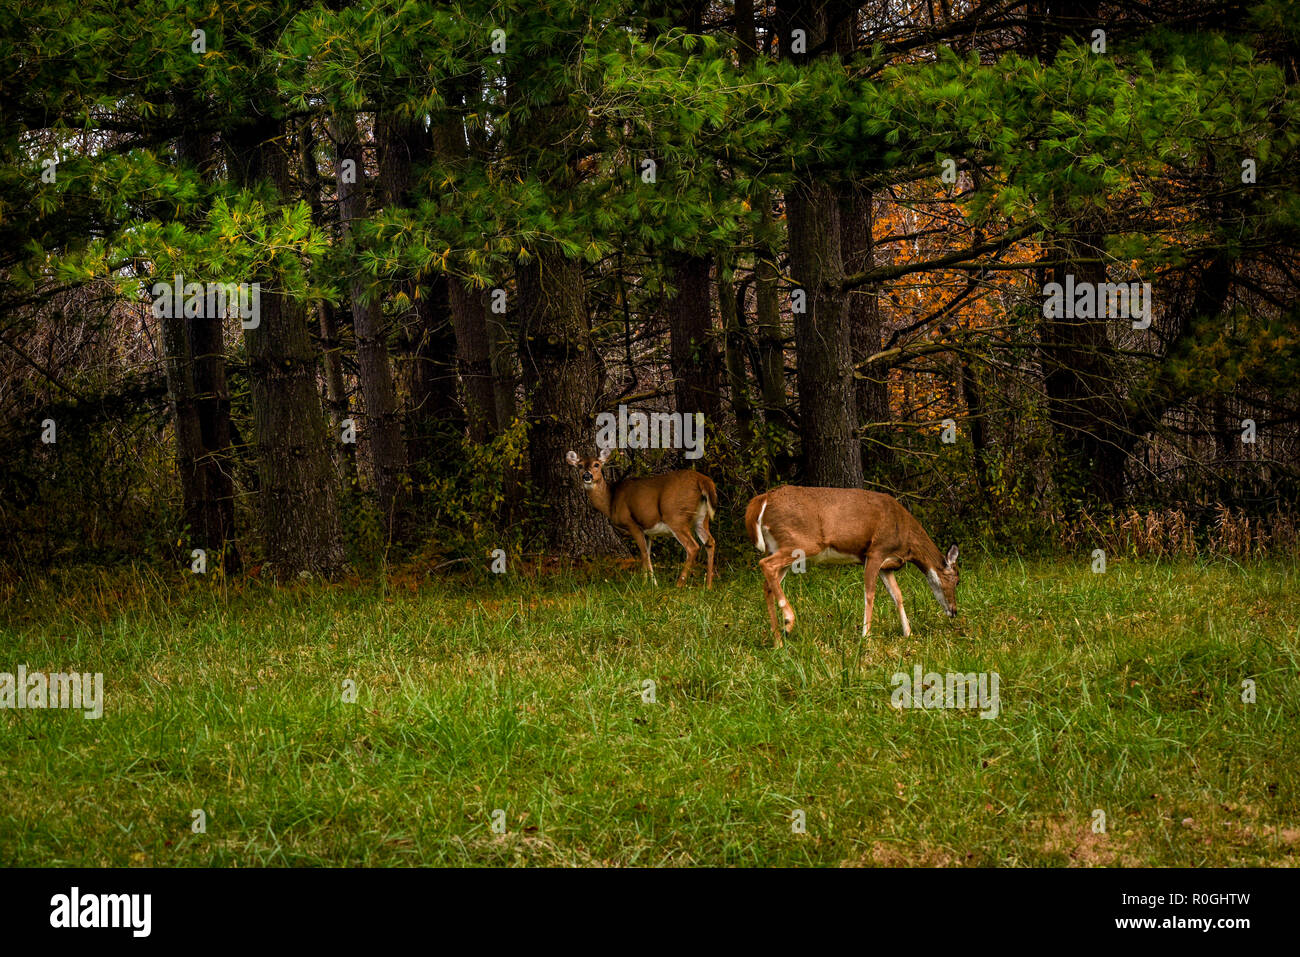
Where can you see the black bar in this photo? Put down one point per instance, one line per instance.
(631, 907)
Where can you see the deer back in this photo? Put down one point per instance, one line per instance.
(672, 498)
(851, 522)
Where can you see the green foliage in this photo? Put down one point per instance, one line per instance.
(363, 529)
(1145, 140)
(467, 508)
(99, 493)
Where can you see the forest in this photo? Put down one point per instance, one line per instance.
(845, 234)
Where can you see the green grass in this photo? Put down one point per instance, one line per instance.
(1119, 691)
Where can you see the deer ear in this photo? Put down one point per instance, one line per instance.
(604, 455)
(572, 458)
(952, 557)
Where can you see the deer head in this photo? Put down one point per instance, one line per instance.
(591, 471)
(943, 582)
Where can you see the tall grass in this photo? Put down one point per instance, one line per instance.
(1120, 692)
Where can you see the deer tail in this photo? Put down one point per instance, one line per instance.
(754, 521)
(709, 492)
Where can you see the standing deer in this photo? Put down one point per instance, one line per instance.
(845, 526)
(669, 504)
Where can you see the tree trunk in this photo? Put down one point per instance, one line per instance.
(561, 378)
(979, 432)
(212, 401)
(746, 31)
(697, 367)
(832, 455)
(384, 430)
(468, 316)
(430, 339)
(331, 346)
(336, 396)
(827, 412)
(503, 371)
(178, 364)
(771, 338)
(503, 394)
(771, 345)
(298, 494)
(427, 337)
(733, 329)
(870, 387)
(474, 360)
(195, 366)
(1083, 401)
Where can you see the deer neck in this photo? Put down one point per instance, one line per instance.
(925, 554)
(927, 557)
(601, 497)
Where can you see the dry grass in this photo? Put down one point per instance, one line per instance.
(1172, 533)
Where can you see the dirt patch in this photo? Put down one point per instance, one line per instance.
(885, 854)
(527, 849)
(1081, 846)
(1247, 834)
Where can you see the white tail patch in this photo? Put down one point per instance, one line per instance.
(758, 526)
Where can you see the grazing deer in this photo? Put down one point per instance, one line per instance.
(669, 504)
(843, 526)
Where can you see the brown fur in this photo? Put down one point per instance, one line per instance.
(635, 506)
(844, 525)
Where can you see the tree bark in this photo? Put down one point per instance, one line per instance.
(384, 430)
(1083, 401)
(771, 337)
(832, 455)
(696, 364)
(195, 368)
(503, 371)
(870, 388)
(474, 360)
(561, 377)
(331, 345)
(468, 316)
(729, 306)
(298, 493)
(427, 338)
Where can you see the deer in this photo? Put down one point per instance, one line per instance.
(675, 503)
(845, 526)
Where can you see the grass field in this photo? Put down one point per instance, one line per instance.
(1119, 692)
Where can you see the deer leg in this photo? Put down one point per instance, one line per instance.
(692, 549)
(774, 568)
(896, 593)
(870, 569)
(770, 597)
(770, 593)
(703, 534)
(643, 546)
